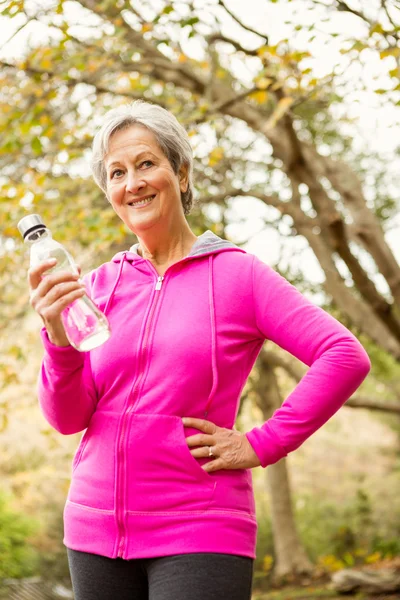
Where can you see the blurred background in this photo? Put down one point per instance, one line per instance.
(293, 111)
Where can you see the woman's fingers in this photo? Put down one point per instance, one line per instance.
(53, 287)
(214, 465)
(230, 449)
(200, 439)
(52, 312)
(201, 424)
(35, 274)
(204, 452)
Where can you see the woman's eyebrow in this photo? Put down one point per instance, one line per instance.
(137, 157)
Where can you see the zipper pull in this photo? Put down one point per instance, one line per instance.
(159, 283)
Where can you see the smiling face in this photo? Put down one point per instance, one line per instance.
(141, 184)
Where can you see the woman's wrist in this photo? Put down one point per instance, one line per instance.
(57, 337)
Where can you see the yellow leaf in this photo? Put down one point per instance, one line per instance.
(264, 50)
(267, 563)
(146, 27)
(263, 83)
(373, 558)
(182, 58)
(390, 52)
(377, 28)
(216, 155)
(45, 64)
(260, 97)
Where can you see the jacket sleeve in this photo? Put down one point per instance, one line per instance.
(338, 363)
(66, 390)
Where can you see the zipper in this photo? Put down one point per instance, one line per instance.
(159, 283)
(120, 452)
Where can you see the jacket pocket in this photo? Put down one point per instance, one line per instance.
(162, 475)
(79, 451)
(234, 491)
(92, 482)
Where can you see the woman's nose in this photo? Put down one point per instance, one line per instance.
(134, 182)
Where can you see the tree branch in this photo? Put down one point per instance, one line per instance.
(235, 18)
(275, 360)
(177, 73)
(344, 7)
(74, 81)
(223, 104)
(371, 404)
(29, 20)
(389, 16)
(215, 37)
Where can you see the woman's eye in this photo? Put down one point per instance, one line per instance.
(115, 173)
(146, 164)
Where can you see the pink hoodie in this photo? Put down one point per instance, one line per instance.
(184, 345)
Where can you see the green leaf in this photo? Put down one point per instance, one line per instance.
(36, 145)
(191, 21)
(167, 9)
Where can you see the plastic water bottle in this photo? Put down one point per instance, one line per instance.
(85, 325)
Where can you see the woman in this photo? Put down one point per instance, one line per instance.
(161, 504)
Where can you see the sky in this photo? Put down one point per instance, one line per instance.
(378, 122)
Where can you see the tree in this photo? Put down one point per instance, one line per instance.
(269, 135)
(291, 557)
(124, 54)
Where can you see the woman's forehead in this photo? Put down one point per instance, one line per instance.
(132, 141)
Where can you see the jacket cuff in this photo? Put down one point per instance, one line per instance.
(266, 445)
(67, 356)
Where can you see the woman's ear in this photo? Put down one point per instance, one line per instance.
(183, 178)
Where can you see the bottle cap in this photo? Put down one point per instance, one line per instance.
(30, 223)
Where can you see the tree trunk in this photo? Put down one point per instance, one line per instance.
(291, 557)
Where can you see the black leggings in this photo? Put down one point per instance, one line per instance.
(203, 576)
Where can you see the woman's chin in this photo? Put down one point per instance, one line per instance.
(142, 222)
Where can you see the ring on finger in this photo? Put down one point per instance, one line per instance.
(210, 452)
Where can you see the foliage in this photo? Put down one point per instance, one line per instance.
(339, 536)
(17, 557)
(335, 536)
(52, 556)
(266, 127)
(244, 128)
(265, 545)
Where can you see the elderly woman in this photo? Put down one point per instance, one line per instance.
(161, 504)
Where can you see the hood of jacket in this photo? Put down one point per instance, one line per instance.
(207, 243)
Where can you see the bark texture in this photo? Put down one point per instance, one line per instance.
(291, 557)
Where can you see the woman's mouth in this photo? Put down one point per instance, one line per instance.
(142, 202)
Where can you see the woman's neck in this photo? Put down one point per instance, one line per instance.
(168, 249)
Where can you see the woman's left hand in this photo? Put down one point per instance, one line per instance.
(228, 448)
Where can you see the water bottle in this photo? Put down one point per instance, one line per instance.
(85, 325)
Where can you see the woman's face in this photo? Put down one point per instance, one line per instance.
(141, 184)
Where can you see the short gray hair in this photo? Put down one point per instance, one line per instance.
(172, 139)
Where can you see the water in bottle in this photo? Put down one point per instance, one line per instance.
(85, 325)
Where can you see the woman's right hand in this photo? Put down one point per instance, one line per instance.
(51, 294)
